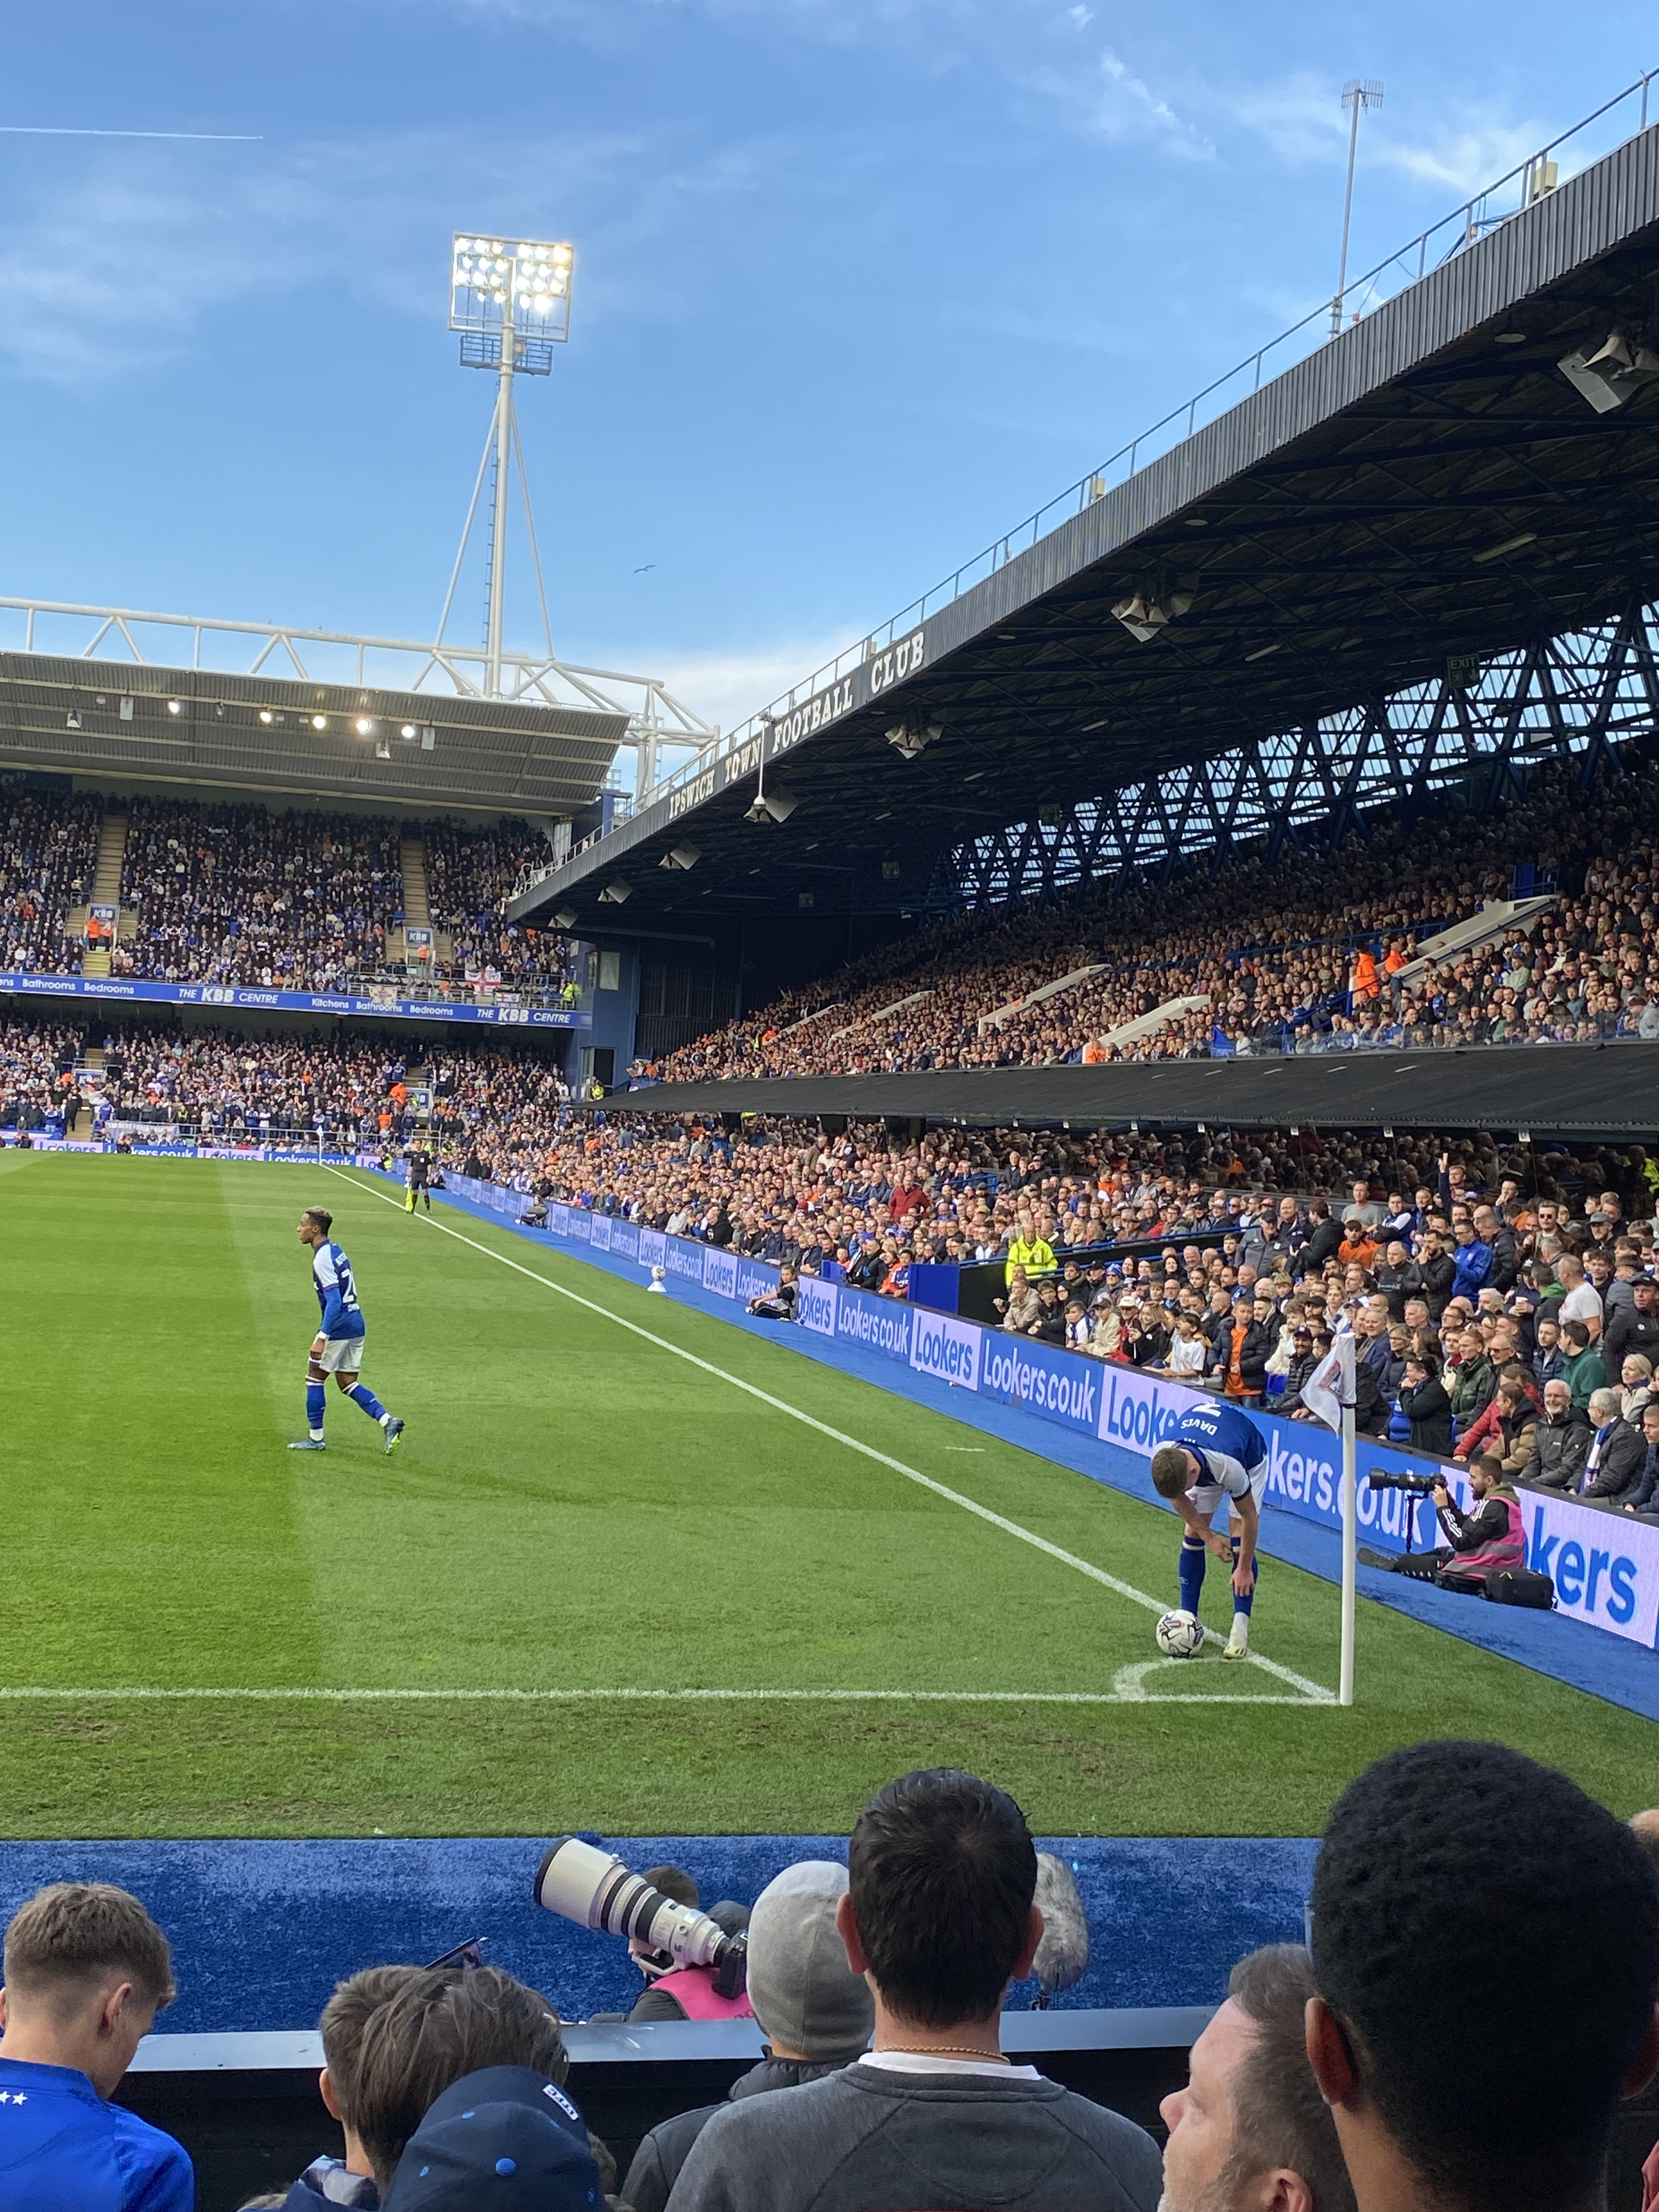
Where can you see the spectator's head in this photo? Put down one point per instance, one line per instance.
(1575, 1337)
(1423, 2004)
(939, 1913)
(810, 2003)
(1603, 1407)
(1250, 2131)
(344, 2018)
(1644, 1827)
(503, 2136)
(1651, 1421)
(1645, 1291)
(87, 1970)
(1558, 1399)
(439, 2025)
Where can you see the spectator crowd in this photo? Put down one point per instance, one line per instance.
(1319, 2084)
(237, 894)
(1297, 955)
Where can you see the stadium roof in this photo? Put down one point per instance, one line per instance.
(1576, 1090)
(260, 733)
(1428, 485)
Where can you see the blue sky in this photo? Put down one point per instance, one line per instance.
(860, 283)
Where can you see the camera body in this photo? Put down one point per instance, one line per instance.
(596, 1889)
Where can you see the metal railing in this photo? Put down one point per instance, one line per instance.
(1429, 248)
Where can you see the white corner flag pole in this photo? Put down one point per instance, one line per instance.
(1350, 1547)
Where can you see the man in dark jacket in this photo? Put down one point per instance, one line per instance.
(1560, 1442)
(1613, 1466)
(1439, 1273)
(816, 2013)
(1424, 1402)
(1634, 1327)
(1323, 1238)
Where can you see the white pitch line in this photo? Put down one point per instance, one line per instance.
(155, 1695)
(1311, 1691)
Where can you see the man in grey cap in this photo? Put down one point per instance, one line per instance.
(814, 2011)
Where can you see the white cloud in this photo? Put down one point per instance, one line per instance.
(1115, 104)
(728, 686)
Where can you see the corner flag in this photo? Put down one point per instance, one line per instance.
(1331, 1385)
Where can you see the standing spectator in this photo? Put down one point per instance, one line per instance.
(1635, 1326)
(438, 2027)
(814, 2013)
(1425, 1407)
(939, 1918)
(86, 1971)
(1580, 1300)
(1250, 2131)
(349, 2180)
(1581, 1368)
(1545, 1965)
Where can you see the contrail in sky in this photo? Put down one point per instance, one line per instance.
(50, 131)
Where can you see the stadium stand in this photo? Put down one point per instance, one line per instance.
(1298, 957)
(48, 852)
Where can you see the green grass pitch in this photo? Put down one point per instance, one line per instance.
(576, 1508)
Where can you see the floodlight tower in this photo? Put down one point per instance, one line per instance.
(510, 300)
(1359, 93)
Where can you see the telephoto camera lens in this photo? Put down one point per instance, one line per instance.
(595, 1889)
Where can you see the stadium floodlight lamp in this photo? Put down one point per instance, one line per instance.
(911, 739)
(1608, 374)
(319, 721)
(511, 287)
(772, 806)
(681, 856)
(265, 716)
(564, 917)
(614, 894)
(409, 733)
(364, 725)
(175, 706)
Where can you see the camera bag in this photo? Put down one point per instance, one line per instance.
(1520, 1586)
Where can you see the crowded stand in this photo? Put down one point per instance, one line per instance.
(48, 852)
(235, 894)
(1300, 956)
(470, 874)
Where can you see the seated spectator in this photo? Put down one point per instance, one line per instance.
(1560, 1441)
(939, 1918)
(1612, 1465)
(438, 2027)
(1546, 1967)
(1644, 1499)
(1021, 1308)
(1634, 1387)
(505, 2138)
(1505, 1428)
(814, 2013)
(1250, 2131)
(349, 2180)
(87, 1970)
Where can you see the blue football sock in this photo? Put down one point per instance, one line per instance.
(1192, 1556)
(1244, 1604)
(316, 1399)
(363, 1396)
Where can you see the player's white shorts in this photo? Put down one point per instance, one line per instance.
(1206, 1497)
(341, 1355)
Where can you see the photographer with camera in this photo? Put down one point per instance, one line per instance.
(1480, 1543)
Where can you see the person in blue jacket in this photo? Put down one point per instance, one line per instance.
(1216, 1452)
(86, 1971)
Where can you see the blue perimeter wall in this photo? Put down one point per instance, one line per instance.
(262, 1931)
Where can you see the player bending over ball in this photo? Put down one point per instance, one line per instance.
(338, 1348)
(1215, 1452)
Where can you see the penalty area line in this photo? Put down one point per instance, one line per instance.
(328, 1695)
(1310, 1693)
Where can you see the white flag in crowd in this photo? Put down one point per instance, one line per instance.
(1330, 1387)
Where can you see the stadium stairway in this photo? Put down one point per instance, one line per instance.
(417, 901)
(106, 887)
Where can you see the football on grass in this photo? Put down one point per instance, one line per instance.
(1179, 1635)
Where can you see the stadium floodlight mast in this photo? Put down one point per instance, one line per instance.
(1359, 93)
(510, 300)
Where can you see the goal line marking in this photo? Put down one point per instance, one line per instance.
(1131, 1693)
(1310, 1692)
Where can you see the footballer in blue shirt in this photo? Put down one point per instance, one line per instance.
(1213, 1453)
(337, 1347)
